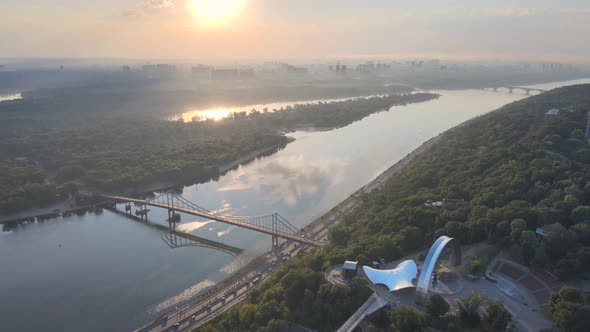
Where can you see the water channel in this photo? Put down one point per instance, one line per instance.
(104, 272)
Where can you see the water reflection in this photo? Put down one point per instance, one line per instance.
(286, 180)
(217, 113)
(14, 96)
(186, 295)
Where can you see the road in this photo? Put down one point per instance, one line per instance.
(235, 288)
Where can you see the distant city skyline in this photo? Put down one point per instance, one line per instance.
(541, 30)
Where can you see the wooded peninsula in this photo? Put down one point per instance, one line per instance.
(68, 153)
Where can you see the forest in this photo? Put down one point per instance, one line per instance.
(92, 153)
(516, 169)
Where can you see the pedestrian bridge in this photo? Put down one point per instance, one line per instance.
(272, 224)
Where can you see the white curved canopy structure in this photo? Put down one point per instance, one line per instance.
(395, 279)
(425, 278)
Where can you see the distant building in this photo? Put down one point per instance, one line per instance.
(21, 161)
(552, 112)
(246, 73)
(232, 73)
(201, 70)
(452, 200)
(541, 231)
(224, 74)
(437, 204)
(349, 269)
(588, 126)
(158, 70)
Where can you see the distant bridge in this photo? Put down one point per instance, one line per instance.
(526, 90)
(272, 224)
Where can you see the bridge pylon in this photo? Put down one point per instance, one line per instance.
(173, 219)
(128, 207)
(274, 238)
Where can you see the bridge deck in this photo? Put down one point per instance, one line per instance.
(221, 218)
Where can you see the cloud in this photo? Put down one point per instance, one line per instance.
(158, 4)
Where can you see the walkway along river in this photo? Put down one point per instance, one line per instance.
(106, 273)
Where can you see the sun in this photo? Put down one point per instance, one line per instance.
(214, 12)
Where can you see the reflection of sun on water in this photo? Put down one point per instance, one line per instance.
(212, 114)
(214, 12)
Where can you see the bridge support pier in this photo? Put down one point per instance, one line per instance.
(142, 212)
(128, 207)
(173, 218)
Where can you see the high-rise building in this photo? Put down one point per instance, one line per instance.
(588, 126)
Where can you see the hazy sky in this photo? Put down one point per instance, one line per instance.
(543, 29)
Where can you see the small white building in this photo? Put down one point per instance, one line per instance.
(349, 269)
(552, 112)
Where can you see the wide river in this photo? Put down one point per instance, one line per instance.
(108, 273)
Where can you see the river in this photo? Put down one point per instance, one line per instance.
(108, 273)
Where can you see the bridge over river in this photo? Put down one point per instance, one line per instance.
(511, 89)
(272, 224)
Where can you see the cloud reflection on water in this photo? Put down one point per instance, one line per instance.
(288, 179)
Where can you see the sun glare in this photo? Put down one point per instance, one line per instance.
(214, 12)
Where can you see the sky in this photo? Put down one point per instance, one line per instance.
(270, 29)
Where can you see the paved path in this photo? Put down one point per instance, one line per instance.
(525, 318)
(371, 305)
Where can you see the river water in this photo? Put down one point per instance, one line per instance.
(108, 273)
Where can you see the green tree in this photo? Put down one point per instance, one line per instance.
(295, 282)
(559, 240)
(407, 319)
(468, 310)
(476, 266)
(454, 229)
(437, 306)
(517, 226)
(528, 244)
(277, 325)
(496, 317)
(581, 214)
(339, 236)
(247, 313)
(572, 317)
(566, 294)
